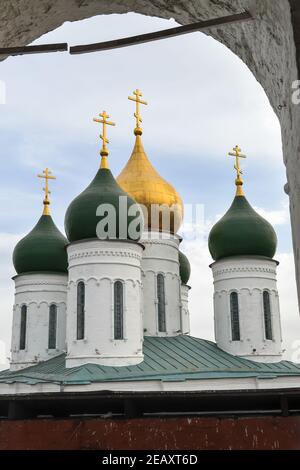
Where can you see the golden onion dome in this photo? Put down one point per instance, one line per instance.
(141, 181)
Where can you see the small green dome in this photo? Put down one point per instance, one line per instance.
(81, 220)
(43, 249)
(184, 268)
(242, 232)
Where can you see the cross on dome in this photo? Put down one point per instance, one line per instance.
(239, 182)
(137, 98)
(104, 151)
(47, 175)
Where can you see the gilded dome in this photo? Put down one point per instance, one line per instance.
(142, 182)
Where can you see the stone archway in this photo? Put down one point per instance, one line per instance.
(268, 46)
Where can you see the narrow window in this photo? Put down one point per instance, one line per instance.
(118, 310)
(267, 315)
(23, 326)
(52, 326)
(161, 303)
(80, 309)
(235, 320)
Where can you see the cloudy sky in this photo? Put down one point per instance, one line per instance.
(202, 101)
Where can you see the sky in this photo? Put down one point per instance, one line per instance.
(203, 100)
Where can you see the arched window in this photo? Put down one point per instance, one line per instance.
(267, 315)
(23, 327)
(161, 303)
(80, 309)
(235, 317)
(52, 327)
(118, 310)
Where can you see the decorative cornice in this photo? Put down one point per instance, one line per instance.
(104, 278)
(38, 304)
(42, 283)
(44, 291)
(165, 273)
(241, 289)
(89, 254)
(171, 243)
(244, 269)
(161, 258)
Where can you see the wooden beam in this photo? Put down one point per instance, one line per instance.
(38, 49)
(163, 34)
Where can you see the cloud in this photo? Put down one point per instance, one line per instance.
(196, 113)
(194, 103)
(276, 217)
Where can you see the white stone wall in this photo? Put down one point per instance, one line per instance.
(161, 256)
(249, 277)
(99, 264)
(38, 291)
(185, 314)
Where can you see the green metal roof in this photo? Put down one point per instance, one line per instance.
(43, 249)
(242, 231)
(81, 218)
(167, 359)
(184, 268)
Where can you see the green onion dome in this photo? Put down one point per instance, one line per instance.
(242, 232)
(81, 218)
(42, 250)
(184, 268)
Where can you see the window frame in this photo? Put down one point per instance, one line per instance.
(268, 324)
(235, 316)
(118, 316)
(80, 311)
(161, 303)
(52, 329)
(23, 327)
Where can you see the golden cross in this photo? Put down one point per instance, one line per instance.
(104, 122)
(239, 183)
(47, 175)
(237, 154)
(137, 98)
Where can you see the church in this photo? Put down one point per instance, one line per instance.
(101, 314)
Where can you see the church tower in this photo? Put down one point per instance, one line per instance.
(104, 317)
(39, 313)
(246, 302)
(163, 214)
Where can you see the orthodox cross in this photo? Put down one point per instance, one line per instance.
(237, 154)
(137, 98)
(104, 151)
(47, 175)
